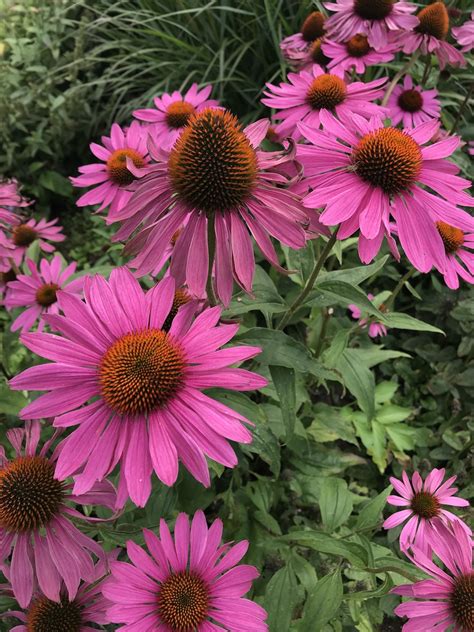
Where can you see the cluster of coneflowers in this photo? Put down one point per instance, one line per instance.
(189, 190)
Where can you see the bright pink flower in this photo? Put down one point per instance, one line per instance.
(411, 105)
(422, 506)
(445, 600)
(88, 607)
(368, 173)
(37, 538)
(375, 328)
(37, 291)
(465, 34)
(173, 111)
(312, 29)
(311, 94)
(378, 19)
(20, 235)
(191, 583)
(356, 54)
(123, 147)
(458, 247)
(149, 409)
(430, 36)
(216, 185)
(10, 197)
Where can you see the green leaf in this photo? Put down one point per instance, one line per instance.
(335, 503)
(11, 402)
(391, 414)
(325, 543)
(397, 320)
(358, 379)
(345, 294)
(323, 603)
(284, 382)
(278, 349)
(375, 354)
(55, 182)
(369, 515)
(280, 600)
(265, 297)
(355, 276)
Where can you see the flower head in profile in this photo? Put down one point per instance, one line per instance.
(421, 505)
(356, 54)
(172, 112)
(458, 254)
(191, 582)
(429, 37)
(375, 328)
(10, 198)
(41, 547)
(365, 175)
(411, 105)
(37, 291)
(148, 410)
(311, 30)
(19, 236)
(111, 178)
(310, 94)
(444, 601)
(378, 19)
(465, 35)
(211, 193)
(89, 606)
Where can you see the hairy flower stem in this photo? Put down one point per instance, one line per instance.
(211, 242)
(391, 299)
(309, 283)
(403, 71)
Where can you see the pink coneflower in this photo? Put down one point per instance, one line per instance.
(218, 187)
(465, 34)
(149, 409)
(375, 328)
(309, 94)
(37, 291)
(446, 598)
(311, 30)
(113, 174)
(21, 235)
(356, 54)
(377, 19)
(430, 36)
(421, 503)
(89, 606)
(10, 197)
(38, 538)
(173, 111)
(411, 105)
(459, 258)
(368, 173)
(191, 583)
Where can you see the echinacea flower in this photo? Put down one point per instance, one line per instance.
(311, 30)
(21, 235)
(364, 173)
(465, 34)
(219, 188)
(410, 105)
(378, 19)
(309, 94)
(38, 291)
(148, 408)
(356, 54)
(190, 583)
(421, 505)
(375, 328)
(459, 258)
(429, 37)
(445, 599)
(173, 111)
(113, 175)
(89, 606)
(10, 197)
(40, 545)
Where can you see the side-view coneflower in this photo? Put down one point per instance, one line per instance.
(411, 105)
(375, 328)
(421, 507)
(112, 174)
(365, 174)
(172, 112)
(465, 35)
(356, 54)
(148, 410)
(20, 235)
(378, 19)
(445, 600)
(10, 198)
(191, 582)
(37, 291)
(40, 545)
(220, 189)
(430, 36)
(298, 44)
(310, 94)
(458, 253)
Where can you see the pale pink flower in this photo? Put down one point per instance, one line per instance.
(375, 328)
(465, 34)
(356, 54)
(411, 105)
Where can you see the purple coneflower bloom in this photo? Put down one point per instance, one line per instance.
(410, 105)
(20, 235)
(375, 328)
(465, 34)
(356, 54)
(459, 258)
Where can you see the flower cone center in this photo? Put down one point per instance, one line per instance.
(213, 166)
(453, 238)
(313, 26)
(46, 294)
(141, 372)
(388, 158)
(373, 9)
(183, 602)
(181, 297)
(358, 46)
(30, 496)
(316, 53)
(410, 100)
(462, 602)
(179, 113)
(45, 615)
(326, 91)
(24, 235)
(117, 165)
(434, 21)
(425, 505)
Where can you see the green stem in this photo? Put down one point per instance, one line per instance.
(309, 283)
(391, 299)
(394, 569)
(427, 70)
(406, 68)
(461, 109)
(322, 334)
(211, 244)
